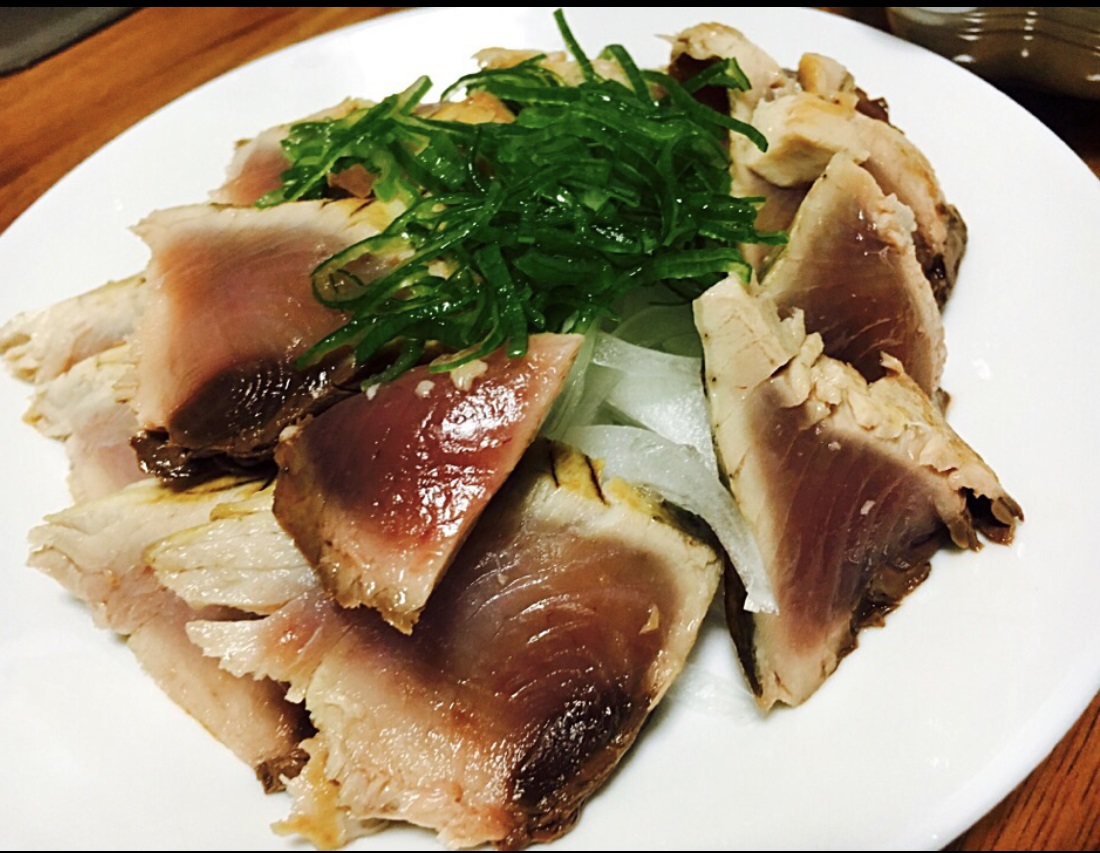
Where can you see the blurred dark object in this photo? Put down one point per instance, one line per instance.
(1056, 49)
(28, 33)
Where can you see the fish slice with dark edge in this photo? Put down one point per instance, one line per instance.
(848, 488)
(380, 490)
(564, 619)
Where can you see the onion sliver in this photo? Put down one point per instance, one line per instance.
(659, 391)
(679, 474)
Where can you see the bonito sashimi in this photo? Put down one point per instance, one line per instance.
(240, 558)
(808, 115)
(41, 345)
(381, 489)
(96, 550)
(805, 131)
(848, 487)
(561, 624)
(851, 267)
(696, 49)
(428, 615)
(88, 408)
(230, 308)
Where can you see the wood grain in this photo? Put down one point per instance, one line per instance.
(59, 111)
(62, 110)
(1057, 807)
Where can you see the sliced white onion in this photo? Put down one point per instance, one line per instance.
(659, 391)
(680, 475)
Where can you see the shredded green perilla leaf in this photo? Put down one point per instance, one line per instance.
(542, 224)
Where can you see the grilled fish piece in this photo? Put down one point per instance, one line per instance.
(848, 487)
(229, 310)
(380, 490)
(564, 619)
(852, 269)
(96, 550)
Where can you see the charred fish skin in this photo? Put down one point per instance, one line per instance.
(565, 617)
(230, 309)
(850, 544)
(849, 487)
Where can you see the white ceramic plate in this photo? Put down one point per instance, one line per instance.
(932, 720)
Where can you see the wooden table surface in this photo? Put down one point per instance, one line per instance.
(62, 109)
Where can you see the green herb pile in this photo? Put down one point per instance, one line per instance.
(543, 224)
